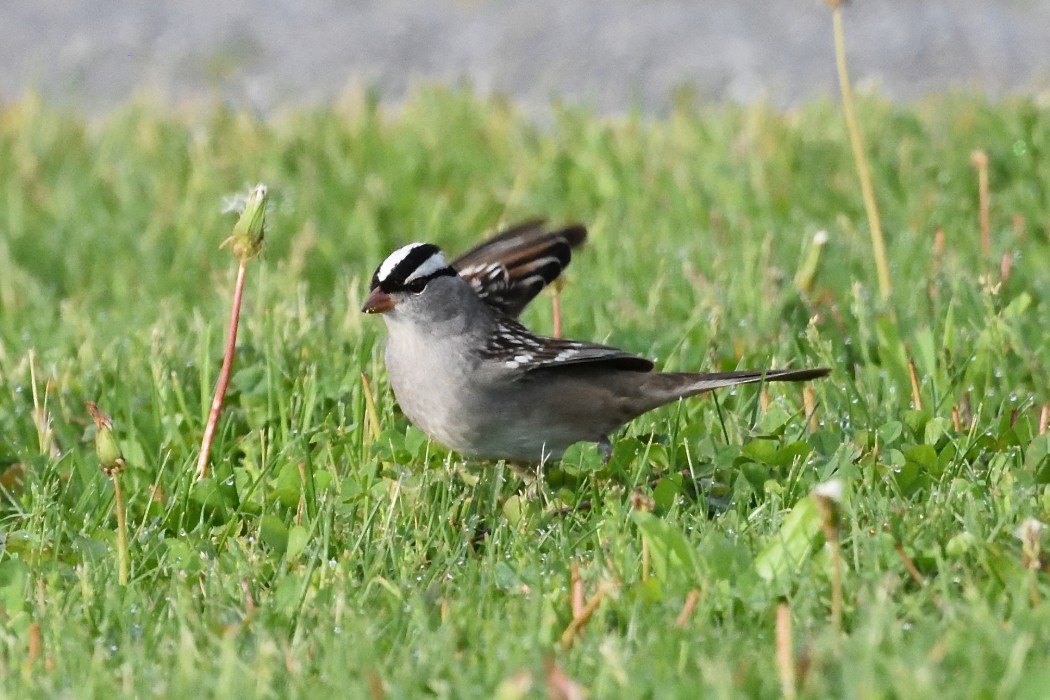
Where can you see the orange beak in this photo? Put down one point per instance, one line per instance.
(378, 302)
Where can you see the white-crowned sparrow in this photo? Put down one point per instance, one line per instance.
(477, 381)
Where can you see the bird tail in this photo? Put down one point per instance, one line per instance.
(670, 386)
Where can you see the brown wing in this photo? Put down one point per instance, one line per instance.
(509, 269)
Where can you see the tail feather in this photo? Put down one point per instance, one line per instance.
(665, 387)
(706, 381)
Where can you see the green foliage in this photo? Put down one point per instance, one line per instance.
(318, 559)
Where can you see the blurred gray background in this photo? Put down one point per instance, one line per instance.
(609, 55)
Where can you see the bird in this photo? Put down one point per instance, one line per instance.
(468, 374)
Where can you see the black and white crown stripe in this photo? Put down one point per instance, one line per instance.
(415, 262)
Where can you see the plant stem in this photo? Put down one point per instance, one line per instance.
(224, 373)
(687, 609)
(979, 160)
(123, 560)
(913, 376)
(556, 310)
(785, 653)
(836, 584)
(878, 245)
(371, 413)
(578, 621)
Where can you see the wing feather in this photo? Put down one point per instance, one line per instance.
(509, 269)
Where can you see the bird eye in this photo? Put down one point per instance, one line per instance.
(416, 286)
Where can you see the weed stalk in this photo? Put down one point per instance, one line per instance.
(867, 190)
(371, 413)
(829, 500)
(246, 242)
(111, 460)
(556, 310)
(687, 608)
(785, 654)
(913, 378)
(979, 160)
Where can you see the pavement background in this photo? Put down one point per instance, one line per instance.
(610, 55)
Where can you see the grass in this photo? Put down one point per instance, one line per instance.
(318, 560)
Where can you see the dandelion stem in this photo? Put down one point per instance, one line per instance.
(224, 374)
(123, 559)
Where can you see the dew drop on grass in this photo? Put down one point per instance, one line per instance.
(332, 563)
(229, 481)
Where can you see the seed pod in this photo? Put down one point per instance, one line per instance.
(247, 237)
(109, 455)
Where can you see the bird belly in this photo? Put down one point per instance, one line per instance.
(523, 419)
